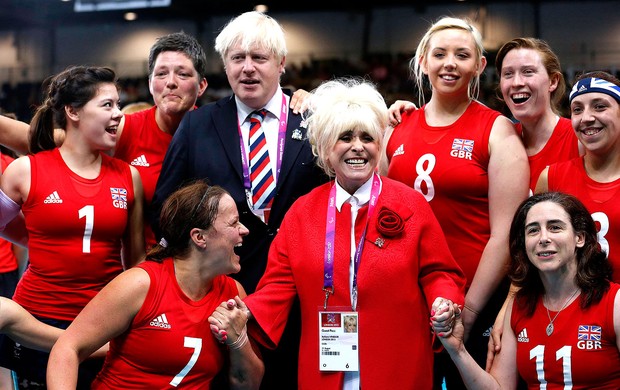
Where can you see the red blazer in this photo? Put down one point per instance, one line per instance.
(398, 279)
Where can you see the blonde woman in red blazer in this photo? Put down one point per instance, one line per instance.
(396, 275)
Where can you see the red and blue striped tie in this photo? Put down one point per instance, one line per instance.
(261, 175)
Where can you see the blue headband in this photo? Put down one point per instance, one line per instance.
(592, 84)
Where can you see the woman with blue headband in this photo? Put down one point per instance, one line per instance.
(594, 178)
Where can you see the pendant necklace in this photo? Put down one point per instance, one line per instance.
(549, 329)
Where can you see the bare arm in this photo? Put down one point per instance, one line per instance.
(133, 242)
(22, 327)
(494, 345)
(542, 185)
(504, 374)
(106, 316)
(508, 186)
(14, 134)
(228, 323)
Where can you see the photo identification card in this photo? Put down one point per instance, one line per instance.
(338, 339)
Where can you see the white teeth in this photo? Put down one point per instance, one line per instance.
(238, 245)
(520, 96)
(355, 161)
(449, 78)
(590, 131)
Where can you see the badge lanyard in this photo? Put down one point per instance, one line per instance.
(330, 232)
(281, 135)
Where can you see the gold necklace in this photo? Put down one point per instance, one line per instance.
(549, 329)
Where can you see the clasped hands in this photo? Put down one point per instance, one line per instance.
(446, 321)
(228, 323)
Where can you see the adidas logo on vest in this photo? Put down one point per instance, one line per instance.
(161, 322)
(522, 337)
(53, 198)
(140, 161)
(400, 150)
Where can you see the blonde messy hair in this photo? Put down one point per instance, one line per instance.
(252, 29)
(341, 105)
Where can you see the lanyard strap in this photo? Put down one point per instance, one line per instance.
(330, 232)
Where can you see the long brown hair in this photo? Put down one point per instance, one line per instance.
(73, 87)
(593, 268)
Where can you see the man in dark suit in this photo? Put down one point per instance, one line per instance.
(213, 143)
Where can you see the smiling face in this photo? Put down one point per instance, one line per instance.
(254, 76)
(525, 84)
(451, 62)
(226, 234)
(354, 158)
(175, 84)
(596, 121)
(350, 324)
(98, 119)
(550, 240)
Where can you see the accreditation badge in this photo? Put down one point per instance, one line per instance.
(338, 341)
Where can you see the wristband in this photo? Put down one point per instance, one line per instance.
(241, 340)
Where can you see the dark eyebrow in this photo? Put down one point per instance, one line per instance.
(551, 221)
(600, 100)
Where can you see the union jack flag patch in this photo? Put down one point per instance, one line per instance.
(466, 145)
(589, 332)
(119, 194)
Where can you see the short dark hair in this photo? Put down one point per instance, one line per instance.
(593, 268)
(183, 43)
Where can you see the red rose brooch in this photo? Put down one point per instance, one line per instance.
(389, 224)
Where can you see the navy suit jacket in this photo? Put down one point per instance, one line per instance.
(206, 146)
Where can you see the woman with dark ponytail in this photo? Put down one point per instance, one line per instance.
(82, 209)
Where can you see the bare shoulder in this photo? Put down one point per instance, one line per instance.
(242, 293)
(19, 165)
(503, 127)
(16, 179)
(134, 280)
